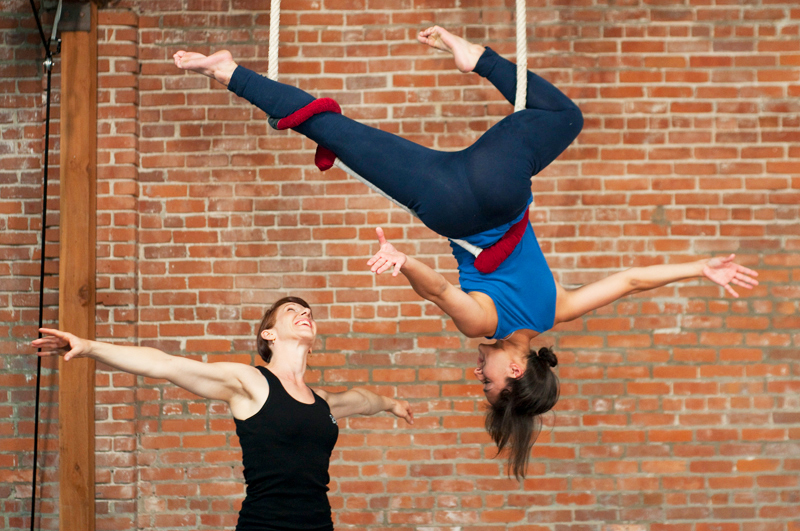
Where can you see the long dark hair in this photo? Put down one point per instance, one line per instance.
(514, 420)
(268, 321)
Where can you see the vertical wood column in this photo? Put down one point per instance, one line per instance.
(78, 211)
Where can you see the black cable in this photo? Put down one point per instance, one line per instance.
(48, 63)
(45, 42)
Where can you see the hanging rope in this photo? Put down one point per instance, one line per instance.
(274, 35)
(48, 64)
(522, 57)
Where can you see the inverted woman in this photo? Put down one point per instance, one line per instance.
(287, 430)
(480, 195)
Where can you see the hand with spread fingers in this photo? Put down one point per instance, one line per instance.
(724, 271)
(58, 343)
(386, 257)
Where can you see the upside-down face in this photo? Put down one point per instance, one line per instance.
(497, 363)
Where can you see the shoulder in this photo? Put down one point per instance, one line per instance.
(484, 322)
(233, 372)
(250, 372)
(238, 370)
(484, 301)
(322, 393)
(338, 400)
(562, 303)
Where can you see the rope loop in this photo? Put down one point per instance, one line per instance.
(522, 57)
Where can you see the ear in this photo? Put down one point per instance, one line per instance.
(516, 370)
(268, 335)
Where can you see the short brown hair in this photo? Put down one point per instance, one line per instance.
(268, 321)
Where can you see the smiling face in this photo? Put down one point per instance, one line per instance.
(293, 321)
(496, 364)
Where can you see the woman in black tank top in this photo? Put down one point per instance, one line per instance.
(286, 429)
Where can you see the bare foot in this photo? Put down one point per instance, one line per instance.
(219, 65)
(464, 52)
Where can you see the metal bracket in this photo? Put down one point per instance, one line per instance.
(75, 16)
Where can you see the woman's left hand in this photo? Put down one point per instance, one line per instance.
(724, 272)
(402, 409)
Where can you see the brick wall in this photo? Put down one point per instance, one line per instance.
(679, 407)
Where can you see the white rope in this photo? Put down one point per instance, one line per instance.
(274, 34)
(522, 57)
(474, 250)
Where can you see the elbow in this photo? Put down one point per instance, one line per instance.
(443, 285)
(164, 369)
(435, 293)
(635, 281)
(365, 406)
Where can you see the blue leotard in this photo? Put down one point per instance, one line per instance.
(522, 287)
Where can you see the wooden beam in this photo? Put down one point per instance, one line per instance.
(78, 213)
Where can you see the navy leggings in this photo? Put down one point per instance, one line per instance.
(456, 194)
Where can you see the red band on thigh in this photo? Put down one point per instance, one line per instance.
(324, 157)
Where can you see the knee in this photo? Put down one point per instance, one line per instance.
(575, 120)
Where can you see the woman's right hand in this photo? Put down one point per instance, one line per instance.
(58, 343)
(386, 257)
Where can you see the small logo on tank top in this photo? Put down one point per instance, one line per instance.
(333, 419)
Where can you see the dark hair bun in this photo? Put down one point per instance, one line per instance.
(548, 356)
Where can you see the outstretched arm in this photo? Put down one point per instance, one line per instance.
(723, 271)
(469, 316)
(217, 381)
(362, 402)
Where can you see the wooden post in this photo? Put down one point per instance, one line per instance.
(78, 210)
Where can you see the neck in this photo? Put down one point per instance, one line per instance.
(521, 340)
(289, 359)
(524, 335)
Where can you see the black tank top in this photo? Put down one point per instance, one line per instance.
(286, 450)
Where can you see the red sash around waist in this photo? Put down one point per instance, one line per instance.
(490, 258)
